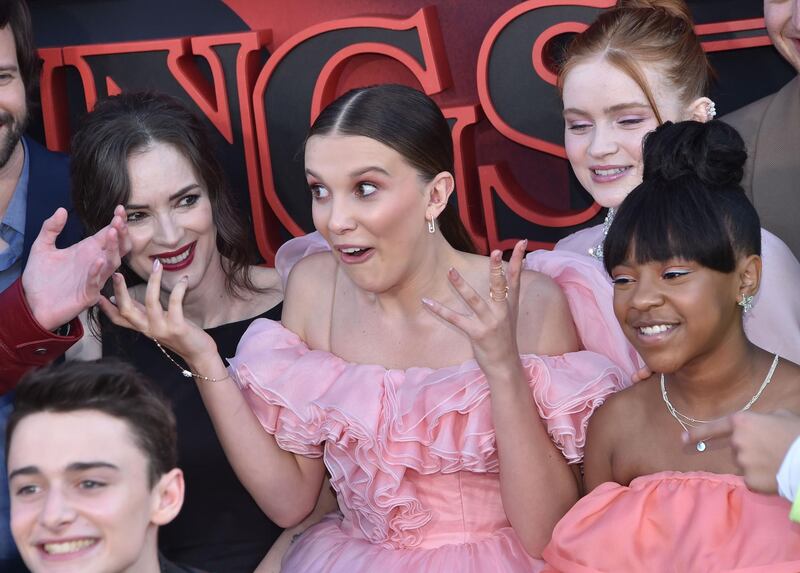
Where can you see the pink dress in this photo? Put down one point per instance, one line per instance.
(772, 324)
(411, 453)
(694, 522)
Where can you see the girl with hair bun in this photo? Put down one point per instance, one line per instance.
(684, 254)
(638, 65)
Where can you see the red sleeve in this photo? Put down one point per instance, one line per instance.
(24, 344)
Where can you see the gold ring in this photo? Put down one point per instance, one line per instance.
(497, 297)
(497, 271)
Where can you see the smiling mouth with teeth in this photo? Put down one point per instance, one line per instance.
(655, 329)
(177, 259)
(355, 251)
(607, 172)
(66, 547)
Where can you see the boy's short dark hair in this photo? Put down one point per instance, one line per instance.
(15, 13)
(108, 386)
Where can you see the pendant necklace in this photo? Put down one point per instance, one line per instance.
(687, 421)
(597, 251)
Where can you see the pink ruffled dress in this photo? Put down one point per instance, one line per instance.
(693, 522)
(772, 324)
(411, 453)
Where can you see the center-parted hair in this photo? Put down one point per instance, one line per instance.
(407, 121)
(655, 32)
(108, 386)
(690, 204)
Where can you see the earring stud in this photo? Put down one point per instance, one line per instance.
(746, 302)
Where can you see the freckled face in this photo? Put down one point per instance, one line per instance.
(369, 204)
(606, 116)
(169, 217)
(80, 495)
(675, 311)
(782, 18)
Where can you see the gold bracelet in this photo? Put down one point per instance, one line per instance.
(187, 373)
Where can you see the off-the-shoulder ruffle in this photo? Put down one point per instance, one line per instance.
(590, 296)
(378, 423)
(296, 249)
(674, 521)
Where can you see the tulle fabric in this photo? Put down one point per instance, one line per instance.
(590, 296)
(676, 522)
(326, 548)
(409, 451)
(772, 324)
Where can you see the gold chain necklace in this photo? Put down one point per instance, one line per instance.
(687, 421)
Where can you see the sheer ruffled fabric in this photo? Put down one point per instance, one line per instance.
(672, 521)
(590, 296)
(397, 443)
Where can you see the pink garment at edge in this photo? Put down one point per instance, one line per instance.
(411, 453)
(693, 522)
(772, 324)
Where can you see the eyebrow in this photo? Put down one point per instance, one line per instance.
(611, 109)
(73, 467)
(176, 195)
(357, 172)
(8, 68)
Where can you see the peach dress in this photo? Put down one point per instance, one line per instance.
(411, 453)
(692, 522)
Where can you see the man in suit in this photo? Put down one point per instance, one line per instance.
(771, 130)
(42, 287)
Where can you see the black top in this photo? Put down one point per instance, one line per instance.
(220, 528)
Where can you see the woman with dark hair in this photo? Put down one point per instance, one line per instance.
(149, 153)
(365, 375)
(684, 254)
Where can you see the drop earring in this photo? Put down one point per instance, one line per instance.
(431, 226)
(746, 302)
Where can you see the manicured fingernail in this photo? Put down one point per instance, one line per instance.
(525, 243)
(185, 278)
(453, 273)
(427, 302)
(113, 300)
(156, 265)
(116, 277)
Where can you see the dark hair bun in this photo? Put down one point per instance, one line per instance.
(712, 152)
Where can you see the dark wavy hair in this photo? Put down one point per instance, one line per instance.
(108, 386)
(407, 121)
(15, 13)
(690, 204)
(128, 123)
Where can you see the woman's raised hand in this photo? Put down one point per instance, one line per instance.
(169, 326)
(492, 323)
